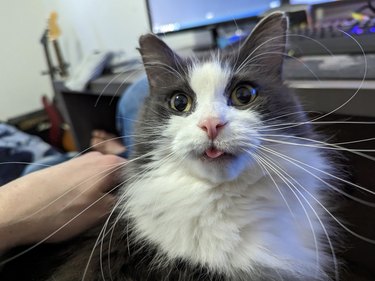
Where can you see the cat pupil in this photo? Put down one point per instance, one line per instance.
(180, 102)
(243, 95)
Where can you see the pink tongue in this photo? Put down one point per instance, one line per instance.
(214, 153)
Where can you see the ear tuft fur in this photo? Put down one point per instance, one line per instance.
(158, 58)
(266, 43)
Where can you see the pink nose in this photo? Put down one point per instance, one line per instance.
(211, 126)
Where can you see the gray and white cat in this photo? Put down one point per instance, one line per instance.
(212, 191)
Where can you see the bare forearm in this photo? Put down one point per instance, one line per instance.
(12, 228)
(57, 203)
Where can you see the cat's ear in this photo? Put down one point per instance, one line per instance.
(160, 62)
(265, 46)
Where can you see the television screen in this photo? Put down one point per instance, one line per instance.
(171, 15)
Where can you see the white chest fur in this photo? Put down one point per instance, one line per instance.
(230, 226)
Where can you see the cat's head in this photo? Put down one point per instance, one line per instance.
(206, 115)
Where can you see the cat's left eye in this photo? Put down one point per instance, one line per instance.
(243, 95)
(180, 102)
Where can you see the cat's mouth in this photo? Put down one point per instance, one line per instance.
(215, 154)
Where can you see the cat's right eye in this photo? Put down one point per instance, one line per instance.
(243, 95)
(180, 102)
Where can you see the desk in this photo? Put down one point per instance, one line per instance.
(94, 108)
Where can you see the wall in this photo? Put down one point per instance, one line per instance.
(86, 25)
(89, 25)
(21, 58)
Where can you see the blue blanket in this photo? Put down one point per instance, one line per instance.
(17, 150)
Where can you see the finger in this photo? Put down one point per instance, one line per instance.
(97, 133)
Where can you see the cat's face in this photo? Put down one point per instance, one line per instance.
(216, 134)
(207, 115)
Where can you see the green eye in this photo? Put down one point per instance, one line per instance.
(243, 95)
(180, 102)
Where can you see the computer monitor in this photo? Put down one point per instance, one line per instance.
(172, 16)
(309, 2)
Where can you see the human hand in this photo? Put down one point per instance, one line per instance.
(71, 196)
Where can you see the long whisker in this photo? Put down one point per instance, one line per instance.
(283, 126)
(104, 231)
(74, 187)
(57, 230)
(281, 171)
(164, 67)
(113, 139)
(124, 210)
(258, 159)
(320, 145)
(365, 69)
(124, 195)
(240, 67)
(298, 112)
(289, 56)
(126, 79)
(109, 83)
(314, 122)
(23, 163)
(301, 165)
(294, 162)
(274, 168)
(69, 221)
(102, 234)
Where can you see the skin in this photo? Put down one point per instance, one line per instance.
(106, 143)
(36, 205)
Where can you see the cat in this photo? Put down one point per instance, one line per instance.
(211, 191)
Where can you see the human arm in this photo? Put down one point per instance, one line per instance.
(72, 196)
